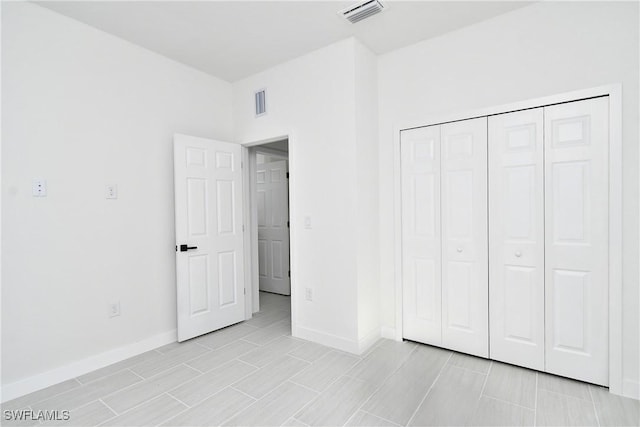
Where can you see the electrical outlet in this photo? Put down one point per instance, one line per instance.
(308, 294)
(39, 188)
(112, 191)
(114, 309)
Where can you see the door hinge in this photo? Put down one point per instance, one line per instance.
(287, 175)
(289, 273)
(245, 291)
(176, 248)
(243, 228)
(288, 224)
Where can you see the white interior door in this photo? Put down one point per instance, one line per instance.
(273, 228)
(576, 241)
(209, 253)
(516, 238)
(464, 236)
(420, 150)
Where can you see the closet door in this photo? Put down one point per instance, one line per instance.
(576, 241)
(516, 238)
(464, 236)
(420, 152)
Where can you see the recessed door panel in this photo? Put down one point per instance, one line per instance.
(227, 276)
(577, 240)
(197, 206)
(198, 281)
(516, 238)
(421, 285)
(464, 237)
(225, 206)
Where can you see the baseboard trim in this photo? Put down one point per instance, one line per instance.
(368, 340)
(388, 333)
(631, 388)
(81, 367)
(330, 340)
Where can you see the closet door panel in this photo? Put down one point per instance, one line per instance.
(421, 278)
(516, 238)
(576, 240)
(464, 236)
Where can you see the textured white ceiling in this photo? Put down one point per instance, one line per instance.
(234, 39)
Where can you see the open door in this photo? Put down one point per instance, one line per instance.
(209, 235)
(273, 227)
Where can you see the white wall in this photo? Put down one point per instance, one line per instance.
(366, 122)
(82, 109)
(313, 100)
(539, 50)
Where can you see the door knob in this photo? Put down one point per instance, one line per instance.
(518, 254)
(459, 250)
(184, 248)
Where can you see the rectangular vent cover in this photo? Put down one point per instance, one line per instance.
(261, 102)
(361, 11)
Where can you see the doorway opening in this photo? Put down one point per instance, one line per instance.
(270, 225)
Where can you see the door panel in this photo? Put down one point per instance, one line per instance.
(273, 230)
(464, 236)
(576, 239)
(420, 150)
(516, 238)
(208, 203)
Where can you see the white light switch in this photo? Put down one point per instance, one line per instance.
(39, 188)
(307, 221)
(112, 191)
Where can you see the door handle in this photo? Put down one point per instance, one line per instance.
(185, 248)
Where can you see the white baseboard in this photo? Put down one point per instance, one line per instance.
(330, 340)
(81, 367)
(631, 388)
(368, 340)
(388, 333)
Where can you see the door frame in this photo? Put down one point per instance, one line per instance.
(252, 284)
(614, 92)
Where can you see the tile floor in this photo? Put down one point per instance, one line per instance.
(255, 373)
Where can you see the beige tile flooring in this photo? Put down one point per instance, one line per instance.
(255, 373)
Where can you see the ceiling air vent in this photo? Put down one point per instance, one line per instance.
(261, 102)
(363, 10)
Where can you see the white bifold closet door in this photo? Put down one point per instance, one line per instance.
(444, 236)
(420, 153)
(576, 239)
(516, 238)
(464, 236)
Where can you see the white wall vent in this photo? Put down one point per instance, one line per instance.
(261, 102)
(363, 10)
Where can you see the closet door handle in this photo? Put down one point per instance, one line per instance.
(518, 254)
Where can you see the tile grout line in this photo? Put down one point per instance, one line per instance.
(246, 394)
(535, 404)
(292, 381)
(593, 402)
(328, 387)
(137, 375)
(378, 416)
(510, 403)
(485, 380)
(381, 383)
(435, 380)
